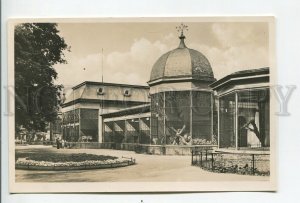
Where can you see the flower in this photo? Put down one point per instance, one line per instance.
(87, 163)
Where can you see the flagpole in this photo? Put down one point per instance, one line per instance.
(102, 101)
(102, 66)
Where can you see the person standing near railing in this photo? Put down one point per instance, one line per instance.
(57, 143)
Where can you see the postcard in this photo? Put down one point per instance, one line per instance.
(142, 104)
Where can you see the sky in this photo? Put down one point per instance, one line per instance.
(131, 49)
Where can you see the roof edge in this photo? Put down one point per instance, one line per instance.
(239, 74)
(109, 84)
(181, 78)
(139, 108)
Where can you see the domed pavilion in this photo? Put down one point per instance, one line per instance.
(181, 99)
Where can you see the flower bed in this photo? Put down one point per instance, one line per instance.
(57, 161)
(60, 157)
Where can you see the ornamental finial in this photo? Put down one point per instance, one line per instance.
(180, 29)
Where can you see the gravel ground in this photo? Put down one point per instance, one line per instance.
(148, 168)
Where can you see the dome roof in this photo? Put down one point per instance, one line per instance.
(182, 62)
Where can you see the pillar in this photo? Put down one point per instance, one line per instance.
(236, 121)
(191, 114)
(218, 110)
(100, 129)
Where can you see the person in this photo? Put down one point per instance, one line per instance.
(63, 143)
(57, 143)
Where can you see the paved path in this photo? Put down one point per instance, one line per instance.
(148, 168)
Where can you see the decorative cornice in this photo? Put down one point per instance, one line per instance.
(241, 77)
(175, 79)
(109, 84)
(99, 101)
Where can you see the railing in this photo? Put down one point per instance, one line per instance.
(240, 163)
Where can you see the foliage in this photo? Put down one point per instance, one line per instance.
(58, 157)
(38, 47)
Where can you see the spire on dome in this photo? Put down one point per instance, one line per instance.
(181, 29)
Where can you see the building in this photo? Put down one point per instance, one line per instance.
(181, 99)
(128, 127)
(183, 108)
(82, 108)
(244, 109)
(180, 114)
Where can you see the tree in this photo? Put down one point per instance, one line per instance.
(38, 47)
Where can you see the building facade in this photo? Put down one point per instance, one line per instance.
(81, 120)
(128, 126)
(181, 99)
(183, 106)
(244, 109)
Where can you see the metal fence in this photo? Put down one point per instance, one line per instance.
(239, 163)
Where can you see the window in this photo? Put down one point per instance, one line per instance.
(100, 91)
(127, 93)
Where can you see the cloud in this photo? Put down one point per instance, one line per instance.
(133, 66)
(130, 67)
(79, 69)
(237, 47)
(136, 63)
(241, 47)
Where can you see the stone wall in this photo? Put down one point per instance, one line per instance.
(164, 149)
(89, 145)
(142, 148)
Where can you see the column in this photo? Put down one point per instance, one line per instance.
(139, 130)
(191, 114)
(100, 129)
(212, 115)
(236, 121)
(79, 123)
(164, 117)
(218, 110)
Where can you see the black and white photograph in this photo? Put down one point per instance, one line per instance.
(142, 105)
